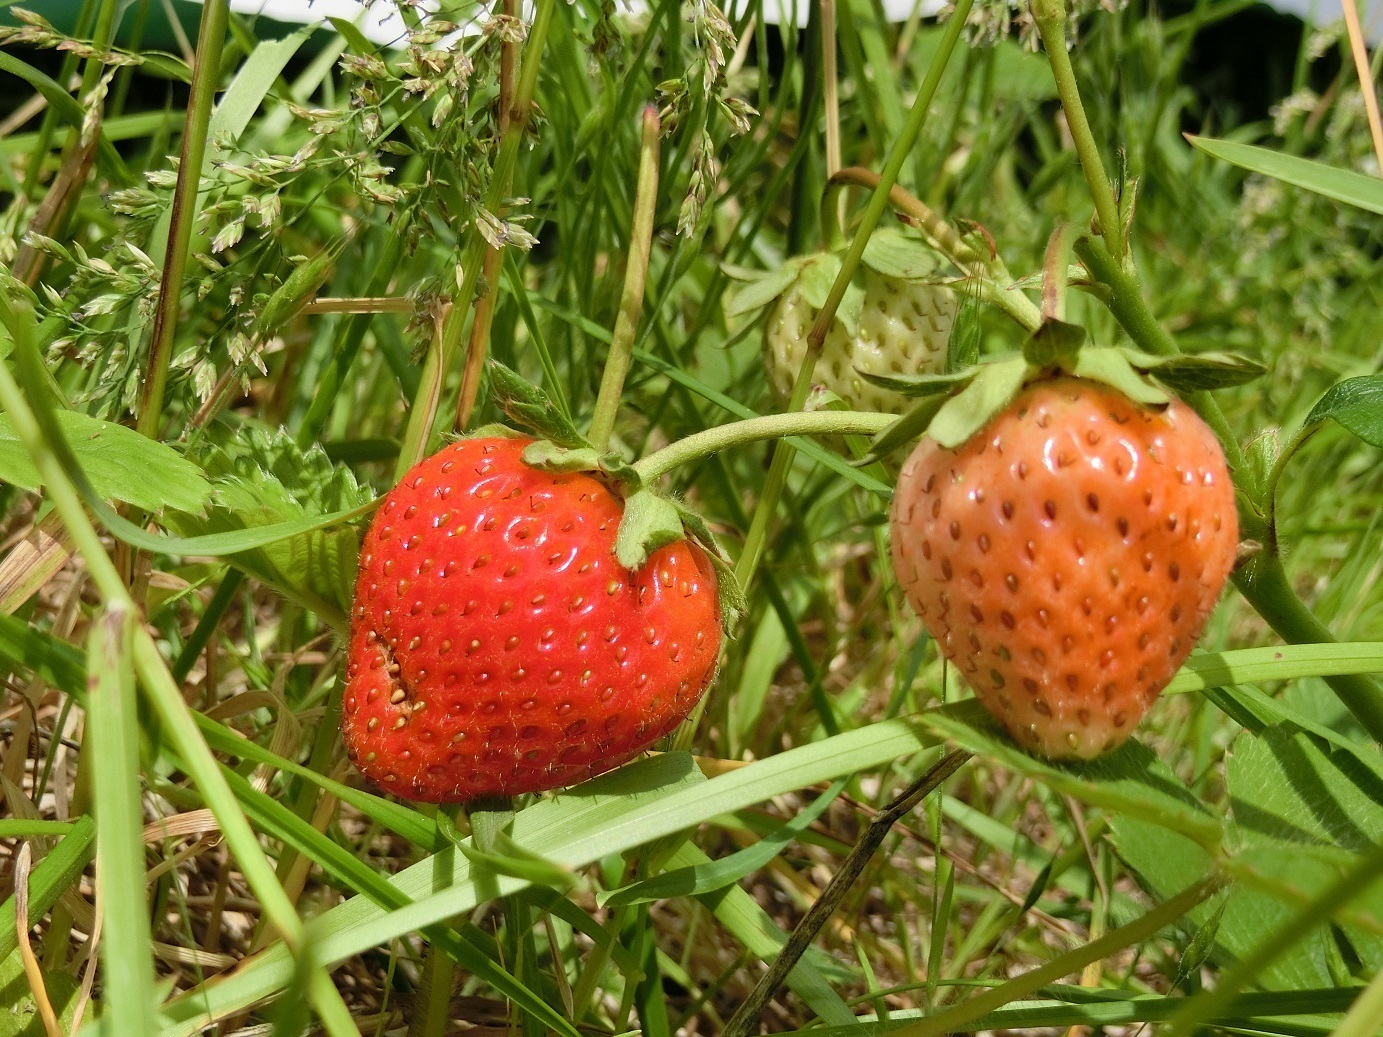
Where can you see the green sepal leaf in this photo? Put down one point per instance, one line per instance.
(762, 287)
(920, 385)
(1112, 367)
(891, 252)
(121, 464)
(1054, 344)
(1194, 372)
(990, 391)
(493, 430)
(529, 406)
(1357, 404)
(496, 851)
(650, 521)
(733, 603)
(963, 344)
(547, 456)
(910, 426)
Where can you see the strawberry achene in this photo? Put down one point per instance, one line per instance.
(1067, 556)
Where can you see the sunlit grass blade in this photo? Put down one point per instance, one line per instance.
(113, 737)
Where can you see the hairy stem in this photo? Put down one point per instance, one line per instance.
(750, 430)
(1050, 16)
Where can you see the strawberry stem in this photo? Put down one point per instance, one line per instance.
(1050, 16)
(767, 506)
(751, 430)
(635, 274)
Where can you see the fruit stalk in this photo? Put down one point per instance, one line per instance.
(1050, 16)
(757, 536)
(635, 276)
(750, 430)
(749, 1011)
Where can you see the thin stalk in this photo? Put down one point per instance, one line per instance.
(749, 1011)
(206, 71)
(479, 343)
(635, 277)
(832, 229)
(756, 538)
(1050, 16)
(1146, 926)
(750, 430)
(441, 360)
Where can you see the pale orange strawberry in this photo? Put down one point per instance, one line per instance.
(1067, 556)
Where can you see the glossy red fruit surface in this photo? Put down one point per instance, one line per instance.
(497, 646)
(1067, 556)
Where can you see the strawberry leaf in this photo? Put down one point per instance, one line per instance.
(263, 478)
(1193, 372)
(1357, 404)
(895, 254)
(1112, 367)
(121, 464)
(990, 391)
(529, 406)
(650, 522)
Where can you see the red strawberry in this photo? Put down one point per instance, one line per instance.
(498, 647)
(1067, 556)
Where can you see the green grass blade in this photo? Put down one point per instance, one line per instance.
(113, 736)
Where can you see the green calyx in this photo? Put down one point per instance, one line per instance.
(651, 520)
(952, 408)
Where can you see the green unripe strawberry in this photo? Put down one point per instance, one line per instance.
(902, 328)
(895, 318)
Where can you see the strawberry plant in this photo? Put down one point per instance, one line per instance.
(433, 596)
